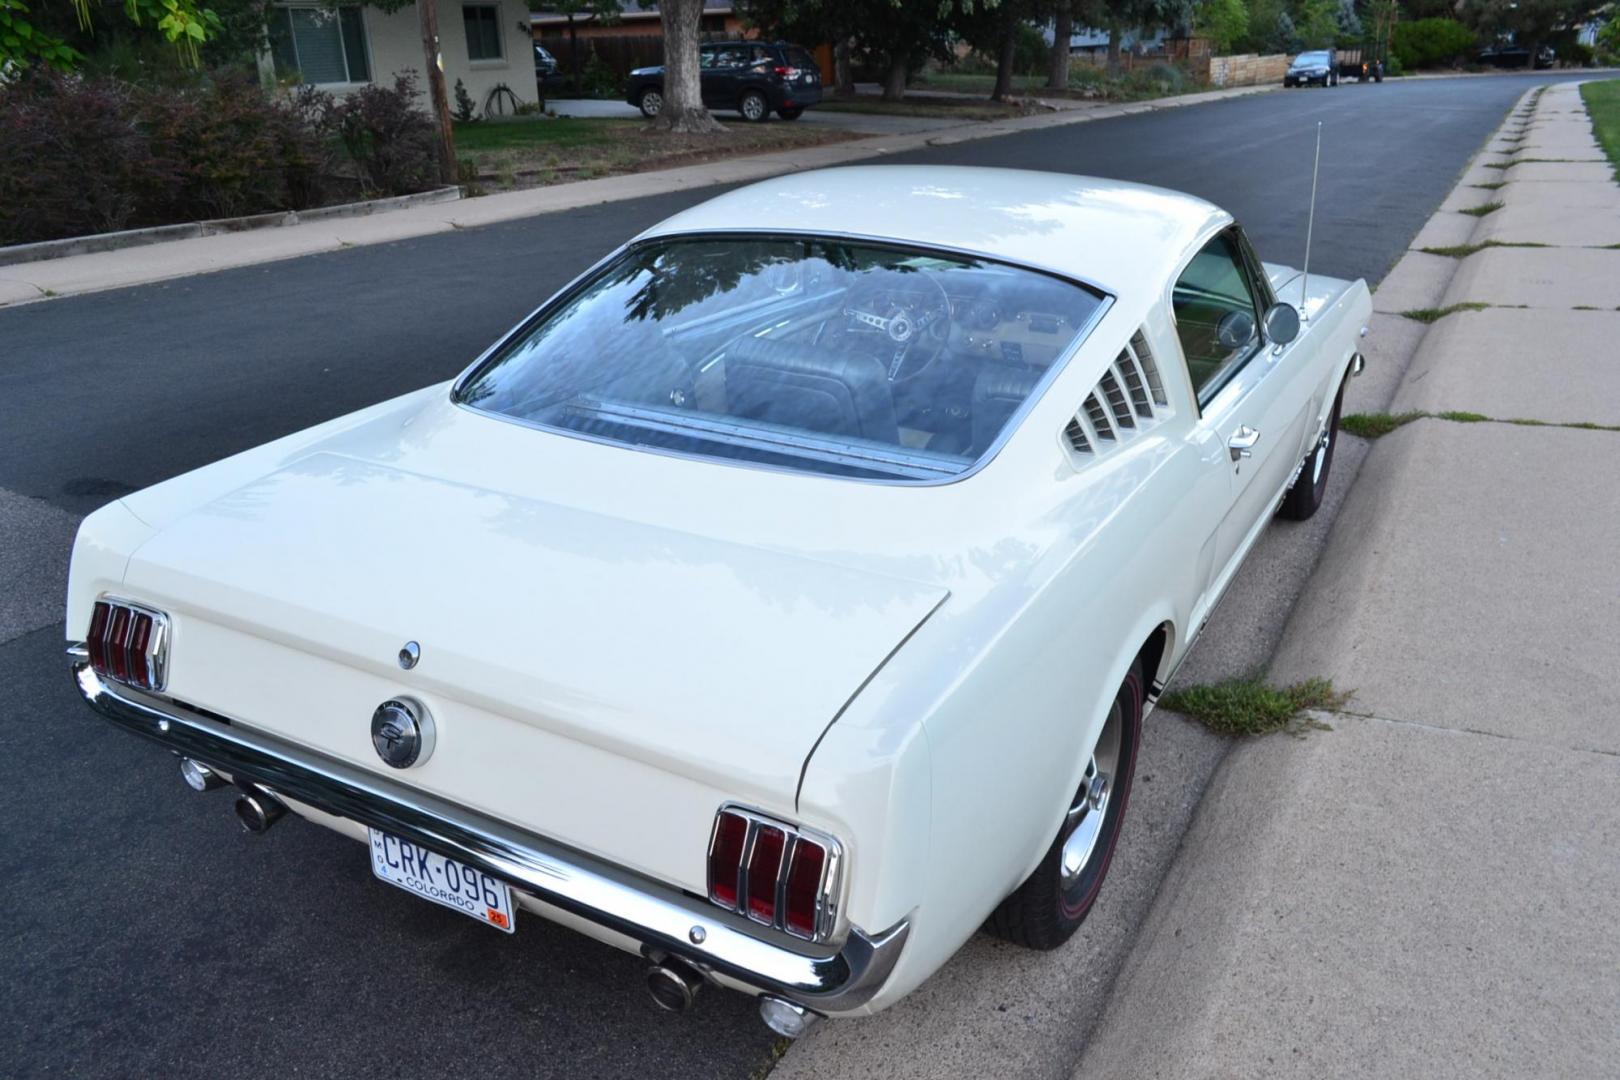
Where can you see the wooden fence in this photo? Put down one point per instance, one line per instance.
(1249, 69)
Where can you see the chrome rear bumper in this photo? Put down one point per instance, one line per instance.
(664, 919)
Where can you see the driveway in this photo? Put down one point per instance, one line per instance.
(147, 936)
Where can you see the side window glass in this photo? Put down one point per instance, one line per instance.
(732, 58)
(1216, 316)
(706, 58)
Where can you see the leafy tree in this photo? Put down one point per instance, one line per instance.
(1529, 22)
(25, 37)
(1317, 24)
(598, 11)
(1057, 71)
(1224, 22)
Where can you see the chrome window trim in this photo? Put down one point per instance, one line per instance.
(663, 918)
(1083, 333)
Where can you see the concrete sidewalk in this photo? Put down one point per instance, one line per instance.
(77, 274)
(1432, 887)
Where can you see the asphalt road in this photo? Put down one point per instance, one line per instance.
(146, 935)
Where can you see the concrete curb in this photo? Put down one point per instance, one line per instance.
(157, 234)
(73, 275)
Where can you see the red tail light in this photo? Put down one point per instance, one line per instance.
(804, 887)
(764, 867)
(787, 72)
(725, 858)
(127, 643)
(774, 873)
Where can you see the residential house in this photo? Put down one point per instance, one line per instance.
(486, 44)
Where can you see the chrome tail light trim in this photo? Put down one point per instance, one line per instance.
(827, 891)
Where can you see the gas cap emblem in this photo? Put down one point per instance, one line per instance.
(402, 732)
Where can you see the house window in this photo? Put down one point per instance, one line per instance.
(319, 44)
(483, 23)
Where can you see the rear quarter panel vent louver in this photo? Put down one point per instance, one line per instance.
(1127, 399)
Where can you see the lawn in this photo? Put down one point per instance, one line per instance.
(1603, 105)
(932, 107)
(1085, 80)
(535, 151)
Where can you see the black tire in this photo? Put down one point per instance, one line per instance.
(651, 102)
(1046, 909)
(790, 114)
(1305, 496)
(753, 106)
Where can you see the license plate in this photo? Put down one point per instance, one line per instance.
(443, 880)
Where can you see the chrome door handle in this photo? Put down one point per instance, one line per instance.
(1241, 444)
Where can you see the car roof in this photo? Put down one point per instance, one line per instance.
(1121, 237)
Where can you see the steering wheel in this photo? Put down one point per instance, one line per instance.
(902, 307)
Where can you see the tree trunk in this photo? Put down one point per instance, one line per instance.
(427, 12)
(683, 111)
(843, 69)
(894, 80)
(573, 54)
(1006, 46)
(1113, 51)
(1057, 72)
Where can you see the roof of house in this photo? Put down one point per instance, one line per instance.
(1119, 236)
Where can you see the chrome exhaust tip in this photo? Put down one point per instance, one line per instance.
(257, 810)
(786, 1018)
(199, 777)
(674, 985)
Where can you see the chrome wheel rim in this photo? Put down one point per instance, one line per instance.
(652, 102)
(1084, 821)
(753, 107)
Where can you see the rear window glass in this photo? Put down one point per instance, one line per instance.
(800, 59)
(807, 353)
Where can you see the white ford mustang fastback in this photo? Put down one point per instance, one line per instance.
(780, 601)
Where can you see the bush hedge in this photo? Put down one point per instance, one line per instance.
(1430, 43)
(97, 154)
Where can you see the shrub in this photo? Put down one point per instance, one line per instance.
(598, 79)
(466, 110)
(1430, 42)
(231, 148)
(75, 159)
(393, 143)
(1574, 54)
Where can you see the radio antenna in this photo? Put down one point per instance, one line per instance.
(1310, 225)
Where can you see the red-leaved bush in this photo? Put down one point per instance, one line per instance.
(88, 155)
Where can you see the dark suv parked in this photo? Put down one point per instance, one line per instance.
(754, 77)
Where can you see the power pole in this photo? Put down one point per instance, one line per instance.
(428, 13)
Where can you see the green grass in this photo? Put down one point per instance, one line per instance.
(1602, 101)
(523, 133)
(1481, 211)
(1372, 425)
(977, 110)
(1435, 314)
(1491, 187)
(1462, 251)
(1248, 706)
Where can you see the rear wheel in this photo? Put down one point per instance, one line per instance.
(753, 106)
(790, 114)
(651, 102)
(1306, 495)
(1049, 907)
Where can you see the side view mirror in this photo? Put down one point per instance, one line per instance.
(1280, 323)
(1235, 330)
